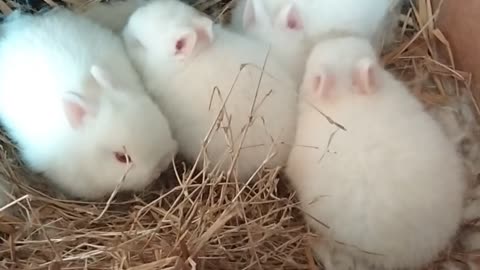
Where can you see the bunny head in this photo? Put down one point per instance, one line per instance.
(115, 133)
(169, 32)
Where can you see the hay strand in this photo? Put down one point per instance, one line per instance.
(205, 221)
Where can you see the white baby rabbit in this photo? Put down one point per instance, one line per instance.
(293, 26)
(190, 69)
(391, 183)
(371, 19)
(112, 15)
(74, 104)
(278, 23)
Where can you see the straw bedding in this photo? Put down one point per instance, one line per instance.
(191, 220)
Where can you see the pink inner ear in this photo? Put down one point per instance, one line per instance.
(185, 44)
(74, 112)
(364, 79)
(323, 85)
(179, 46)
(203, 27)
(203, 35)
(294, 21)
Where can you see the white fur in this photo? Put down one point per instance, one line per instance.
(44, 58)
(367, 18)
(290, 46)
(185, 87)
(392, 183)
(270, 7)
(372, 19)
(112, 15)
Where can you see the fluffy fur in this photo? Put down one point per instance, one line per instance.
(190, 60)
(268, 20)
(392, 183)
(372, 19)
(70, 98)
(280, 24)
(112, 15)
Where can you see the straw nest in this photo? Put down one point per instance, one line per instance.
(200, 221)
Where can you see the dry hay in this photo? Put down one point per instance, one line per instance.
(202, 221)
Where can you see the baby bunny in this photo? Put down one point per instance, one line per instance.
(371, 19)
(390, 185)
(112, 15)
(292, 27)
(192, 67)
(76, 107)
(280, 24)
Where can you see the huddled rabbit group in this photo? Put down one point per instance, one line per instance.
(127, 85)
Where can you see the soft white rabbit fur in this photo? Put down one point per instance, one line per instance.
(279, 23)
(183, 66)
(367, 18)
(292, 27)
(112, 15)
(392, 182)
(72, 101)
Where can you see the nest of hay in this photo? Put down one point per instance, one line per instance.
(202, 221)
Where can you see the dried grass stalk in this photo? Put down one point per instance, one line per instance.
(204, 221)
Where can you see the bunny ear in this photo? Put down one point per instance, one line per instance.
(186, 42)
(253, 12)
(101, 77)
(204, 28)
(322, 84)
(290, 18)
(76, 108)
(365, 77)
